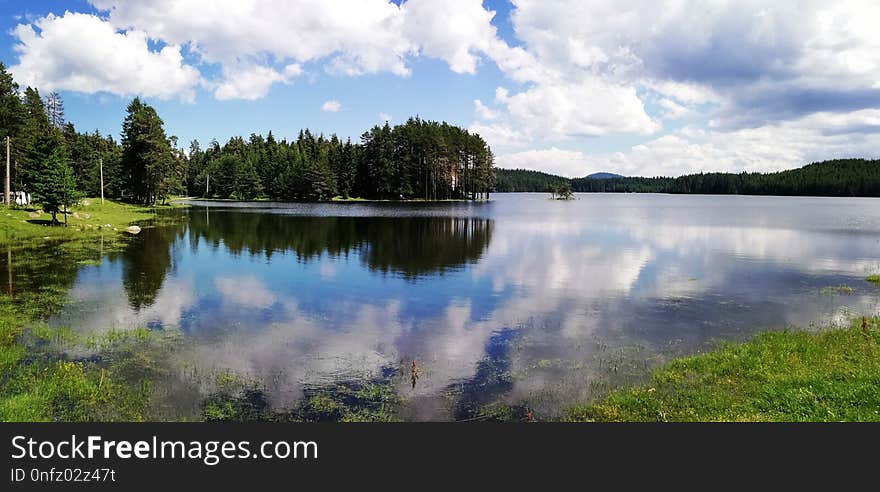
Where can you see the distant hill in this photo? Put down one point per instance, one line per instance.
(842, 177)
(603, 176)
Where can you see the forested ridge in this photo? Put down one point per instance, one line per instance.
(840, 177)
(512, 180)
(56, 164)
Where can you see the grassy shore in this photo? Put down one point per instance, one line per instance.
(831, 375)
(89, 217)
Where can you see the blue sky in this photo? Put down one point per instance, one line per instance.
(565, 86)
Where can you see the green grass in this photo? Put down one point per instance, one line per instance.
(831, 375)
(39, 380)
(90, 216)
(874, 279)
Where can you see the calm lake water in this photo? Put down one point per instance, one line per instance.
(521, 299)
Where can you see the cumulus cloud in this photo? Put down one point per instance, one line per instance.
(568, 163)
(252, 82)
(762, 62)
(590, 107)
(83, 53)
(349, 37)
(484, 112)
(456, 31)
(331, 106)
(673, 110)
(782, 145)
(358, 36)
(762, 86)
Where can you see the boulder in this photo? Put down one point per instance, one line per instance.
(133, 229)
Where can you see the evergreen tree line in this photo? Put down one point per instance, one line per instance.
(416, 160)
(513, 180)
(841, 177)
(56, 165)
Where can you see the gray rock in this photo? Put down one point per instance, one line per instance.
(133, 229)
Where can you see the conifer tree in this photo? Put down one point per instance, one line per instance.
(147, 157)
(55, 187)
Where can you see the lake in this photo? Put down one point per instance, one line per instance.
(521, 300)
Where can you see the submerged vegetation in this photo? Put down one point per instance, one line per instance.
(836, 289)
(44, 380)
(831, 375)
(237, 400)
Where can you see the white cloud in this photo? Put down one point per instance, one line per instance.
(783, 145)
(456, 31)
(673, 110)
(349, 37)
(483, 111)
(763, 62)
(499, 135)
(383, 117)
(83, 53)
(777, 84)
(252, 82)
(331, 106)
(569, 163)
(356, 36)
(590, 107)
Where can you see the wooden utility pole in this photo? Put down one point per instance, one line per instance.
(101, 165)
(7, 171)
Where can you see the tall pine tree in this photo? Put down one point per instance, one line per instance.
(147, 157)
